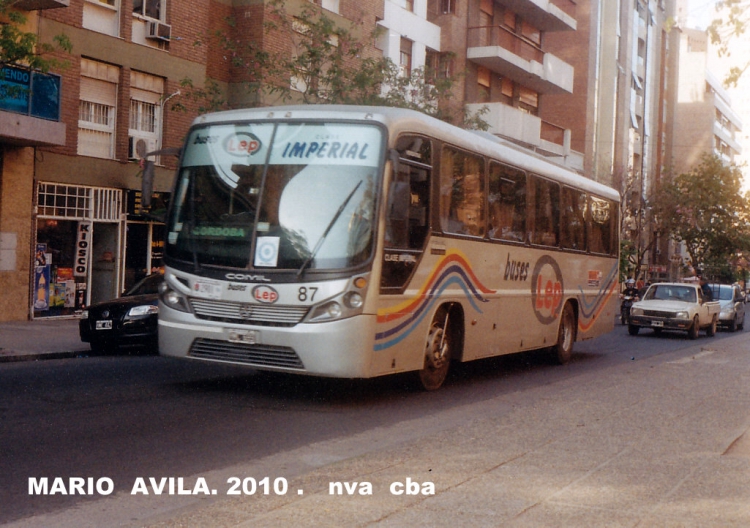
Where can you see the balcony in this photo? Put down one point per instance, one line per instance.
(503, 52)
(527, 130)
(30, 108)
(547, 15)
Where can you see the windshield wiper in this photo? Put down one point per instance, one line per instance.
(315, 250)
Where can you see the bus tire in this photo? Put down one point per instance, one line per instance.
(438, 351)
(566, 335)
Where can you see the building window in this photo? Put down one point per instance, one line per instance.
(405, 57)
(97, 109)
(406, 4)
(448, 7)
(437, 66)
(102, 16)
(142, 116)
(330, 5)
(144, 129)
(150, 8)
(484, 81)
(528, 100)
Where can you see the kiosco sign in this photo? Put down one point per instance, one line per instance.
(83, 249)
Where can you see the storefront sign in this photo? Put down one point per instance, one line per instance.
(30, 92)
(83, 249)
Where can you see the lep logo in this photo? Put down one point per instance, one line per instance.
(547, 290)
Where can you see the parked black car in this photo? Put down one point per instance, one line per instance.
(129, 321)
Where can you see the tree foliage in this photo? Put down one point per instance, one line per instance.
(19, 47)
(329, 62)
(704, 208)
(731, 23)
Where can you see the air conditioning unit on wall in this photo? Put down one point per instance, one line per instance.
(138, 147)
(158, 30)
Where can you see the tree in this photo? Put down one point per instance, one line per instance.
(704, 209)
(19, 47)
(641, 226)
(327, 62)
(731, 23)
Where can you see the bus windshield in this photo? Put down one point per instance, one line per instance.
(285, 196)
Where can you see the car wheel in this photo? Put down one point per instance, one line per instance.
(633, 329)
(694, 329)
(437, 352)
(566, 335)
(711, 330)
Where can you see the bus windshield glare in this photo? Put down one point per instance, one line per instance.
(287, 196)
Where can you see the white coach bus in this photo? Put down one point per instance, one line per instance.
(356, 242)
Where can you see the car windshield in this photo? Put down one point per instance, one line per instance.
(671, 292)
(276, 196)
(147, 285)
(722, 292)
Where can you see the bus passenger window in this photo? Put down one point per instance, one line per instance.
(408, 227)
(573, 227)
(546, 212)
(462, 193)
(507, 203)
(601, 226)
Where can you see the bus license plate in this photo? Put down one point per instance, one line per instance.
(246, 337)
(207, 288)
(103, 325)
(657, 324)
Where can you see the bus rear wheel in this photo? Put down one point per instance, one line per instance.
(437, 352)
(566, 335)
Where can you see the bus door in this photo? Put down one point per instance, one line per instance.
(407, 224)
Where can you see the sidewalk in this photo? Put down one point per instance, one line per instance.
(40, 339)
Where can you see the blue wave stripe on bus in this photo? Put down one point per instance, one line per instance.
(440, 285)
(420, 314)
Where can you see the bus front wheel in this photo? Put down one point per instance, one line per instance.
(438, 352)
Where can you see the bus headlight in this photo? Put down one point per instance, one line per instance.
(348, 304)
(354, 300)
(172, 298)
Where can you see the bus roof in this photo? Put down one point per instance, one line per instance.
(401, 120)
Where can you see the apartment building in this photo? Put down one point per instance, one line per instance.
(704, 121)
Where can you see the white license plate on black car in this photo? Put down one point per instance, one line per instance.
(103, 325)
(246, 337)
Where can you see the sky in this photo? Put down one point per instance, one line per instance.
(700, 13)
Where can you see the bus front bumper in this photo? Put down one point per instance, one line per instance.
(341, 349)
